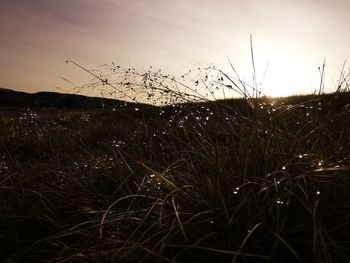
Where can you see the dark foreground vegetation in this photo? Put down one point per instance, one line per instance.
(211, 182)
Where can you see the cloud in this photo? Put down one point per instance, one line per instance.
(53, 24)
(19, 15)
(73, 12)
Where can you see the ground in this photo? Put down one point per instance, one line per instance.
(225, 181)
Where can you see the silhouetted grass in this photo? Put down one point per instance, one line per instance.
(206, 182)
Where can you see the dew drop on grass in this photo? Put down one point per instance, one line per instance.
(279, 202)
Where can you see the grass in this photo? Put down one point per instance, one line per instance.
(205, 182)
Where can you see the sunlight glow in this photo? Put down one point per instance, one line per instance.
(283, 72)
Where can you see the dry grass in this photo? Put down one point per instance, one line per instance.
(213, 181)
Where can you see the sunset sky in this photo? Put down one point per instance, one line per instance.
(292, 37)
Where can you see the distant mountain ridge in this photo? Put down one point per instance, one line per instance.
(4, 89)
(12, 98)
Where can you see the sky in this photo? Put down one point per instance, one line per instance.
(291, 38)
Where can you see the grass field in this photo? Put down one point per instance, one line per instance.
(208, 182)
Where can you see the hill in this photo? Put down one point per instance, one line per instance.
(224, 181)
(10, 98)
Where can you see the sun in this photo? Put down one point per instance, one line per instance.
(280, 71)
(284, 72)
(285, 78)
